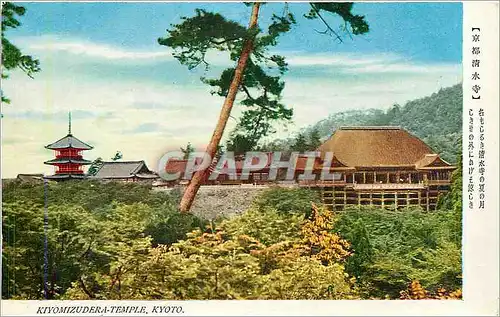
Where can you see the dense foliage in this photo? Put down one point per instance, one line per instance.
(125, 241)
(290, 201)
(89, 224)
(393, 248)
(260, 255)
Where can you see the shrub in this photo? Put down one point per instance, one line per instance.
(288, 201)
(392, 248)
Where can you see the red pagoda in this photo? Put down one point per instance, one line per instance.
(69, 159)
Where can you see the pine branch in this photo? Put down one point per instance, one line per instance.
(328, 27)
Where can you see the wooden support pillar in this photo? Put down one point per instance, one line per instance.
(364, 177)
(387, 179)
(374, 177)
(407, 199)
(333, 196)
(398, 176)
(396, 199)
(359, 199)
(409, 178)
(427, 199)
(345, 198)
(419, 198)
(371, 198)
(383, 199)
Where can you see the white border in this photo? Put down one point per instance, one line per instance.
(480, 234)
(272, 308)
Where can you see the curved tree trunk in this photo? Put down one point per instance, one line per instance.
(194, 184)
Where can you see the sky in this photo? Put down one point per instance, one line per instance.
(102, 62)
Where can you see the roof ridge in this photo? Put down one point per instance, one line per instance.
(371, 128)
(376, 146)
(118, 161)
(47, 146)
(69, 135)
(138, 168)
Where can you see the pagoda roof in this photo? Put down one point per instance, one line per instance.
(66, 176)
(68, 160)
(378, 146)
(124, 169)
(69, 141)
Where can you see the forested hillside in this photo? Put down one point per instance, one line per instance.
(123, 241)
(436, 119)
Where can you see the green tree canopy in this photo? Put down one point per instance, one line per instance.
(187, 150)
(95, 166)
(300, 144)
(314, 140)
(118, 156)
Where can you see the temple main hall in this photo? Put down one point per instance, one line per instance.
(382, 166)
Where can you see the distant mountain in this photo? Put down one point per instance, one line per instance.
(436, 119)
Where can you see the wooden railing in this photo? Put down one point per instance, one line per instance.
(388, 186)
(439, 182)
(74, 171)
(321, 183)
(78, 157)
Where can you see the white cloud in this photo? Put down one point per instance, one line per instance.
(38, 112)
(408, 68)
(55, 44)
(343, 62)
(338, 59)
(354, 63)
(145, 117)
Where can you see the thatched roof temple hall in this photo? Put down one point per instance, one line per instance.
(383, 166)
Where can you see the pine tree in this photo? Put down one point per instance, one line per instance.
(187, 150)
(12, 57)
(95, 166)
(314, 139)
(362, 249)
(248, 48)
(300, 144)
(118, 156)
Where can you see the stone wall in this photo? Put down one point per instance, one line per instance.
(222, 201)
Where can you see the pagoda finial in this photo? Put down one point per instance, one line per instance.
(69, 122)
